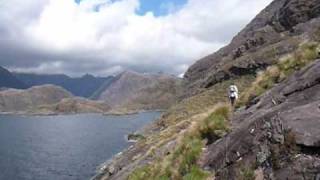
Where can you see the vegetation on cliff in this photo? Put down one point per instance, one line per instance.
(181, 163)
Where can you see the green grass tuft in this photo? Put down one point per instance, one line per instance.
(187, 154)
(140, 173)
(247, 173)
(214, 127)
(196, 174)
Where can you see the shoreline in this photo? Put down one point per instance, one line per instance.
(110, 113)
(120, 113)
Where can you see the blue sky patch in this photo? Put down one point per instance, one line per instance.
(158, 7)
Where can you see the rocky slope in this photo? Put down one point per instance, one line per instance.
(277, 136)
(135, 91)
(46, 99)
(273, 132)
(84, 86)
(276, 31)
(7, 80)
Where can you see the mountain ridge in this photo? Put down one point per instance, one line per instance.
(83, 86)
(8, 80)
(135, 91)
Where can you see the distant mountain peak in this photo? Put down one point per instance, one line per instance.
(136, 90)
(8, 80)
(129, 72)
(83, 86)
(88, 76)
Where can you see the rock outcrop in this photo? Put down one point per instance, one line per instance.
(276, 31)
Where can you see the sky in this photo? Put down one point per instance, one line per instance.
(106, 37)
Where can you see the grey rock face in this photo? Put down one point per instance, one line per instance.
(282, 132)
(304, 121)
(294, 12)
(302, 167)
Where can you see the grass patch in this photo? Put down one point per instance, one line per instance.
(304, 55)
(286, 66)
(195, 174)
(264, 81)
(140, 173)
(187, 154)
(215, 125)
(247, 173)
(180, 165)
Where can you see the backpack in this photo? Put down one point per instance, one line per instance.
(233, 88)
(233, 95)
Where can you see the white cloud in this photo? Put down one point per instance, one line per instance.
(101, 37)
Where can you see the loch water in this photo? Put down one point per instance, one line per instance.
(64, 147)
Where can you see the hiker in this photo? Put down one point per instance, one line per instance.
(233, 94)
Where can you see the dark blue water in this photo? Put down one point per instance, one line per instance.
(62, 147)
